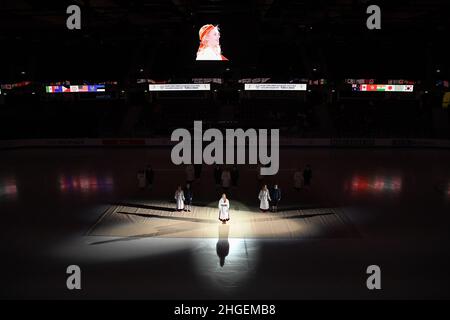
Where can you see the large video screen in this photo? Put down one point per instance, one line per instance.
(209, 48)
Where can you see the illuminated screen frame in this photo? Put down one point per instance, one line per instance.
(383, 88)
(179, 87)
(276, 87)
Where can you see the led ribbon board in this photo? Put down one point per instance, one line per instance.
(275, 86)
(76, 88)
(383, 87)
(180, 87)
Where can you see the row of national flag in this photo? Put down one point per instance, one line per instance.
(76, 88)
(383, 87)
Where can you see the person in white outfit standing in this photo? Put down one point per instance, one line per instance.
(264, 198)
(179, 198)
(224, 209)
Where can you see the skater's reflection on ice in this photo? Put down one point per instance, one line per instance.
(223, 245)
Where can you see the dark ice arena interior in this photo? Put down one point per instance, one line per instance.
(354, 106)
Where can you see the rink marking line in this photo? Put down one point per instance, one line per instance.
(149, 215)
(109, 210)
(252, 219)
(197, 224)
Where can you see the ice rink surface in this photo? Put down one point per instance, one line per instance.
(395, 204)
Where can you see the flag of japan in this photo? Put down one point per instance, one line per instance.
(390, 87)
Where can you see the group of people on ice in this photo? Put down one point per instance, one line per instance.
(268, 201)
(269, 198)
(183, 199)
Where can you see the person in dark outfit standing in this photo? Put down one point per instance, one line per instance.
(307, 176)
(149, 176)
(275, 195)
(188, 195)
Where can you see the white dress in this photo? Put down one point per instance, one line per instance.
(224, 210)
(264, 197)
(209, 54)
(179, 198)
(226, 179)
